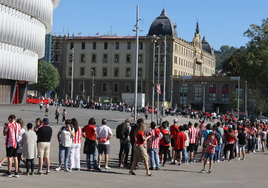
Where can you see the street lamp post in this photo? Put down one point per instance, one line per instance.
(154, 40)
(83, 77)
(204, 97)
(93, 74)
(158, 87)
(165, 69)
(72, 79)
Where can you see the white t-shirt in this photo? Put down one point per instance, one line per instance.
(104, 131)
(66, 137)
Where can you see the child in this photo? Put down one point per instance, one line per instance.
(211, 144)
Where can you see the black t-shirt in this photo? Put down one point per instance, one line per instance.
(242, 138)
(44, 134)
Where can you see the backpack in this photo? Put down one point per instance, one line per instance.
(121, 131)
(167, 138)
(218, 137)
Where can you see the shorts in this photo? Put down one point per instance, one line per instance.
(209, 155)
(46, 110)
(12, 152)
(104, 148)
(241, 147)
(43, 149)
(178, 150)
(172, 142)
(191, 147)
(195, 147)
(41, 107)
(204, 145)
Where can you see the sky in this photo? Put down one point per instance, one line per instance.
(222, 22)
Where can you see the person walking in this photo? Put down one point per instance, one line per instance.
(57, 114)
(76, 146)
(12, 131)
(64, 115)
(104, 135)
(47, 109)
(140, 153)
(146, 113)
(90, 148)
(65, 138)
(44, 135)
(124, 143)
(29, 151)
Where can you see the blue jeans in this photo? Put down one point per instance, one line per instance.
(218, 153)
(64, 151)
(154, 157)
(185, 155)
(253, 143)
(124, 148)
(95, 157)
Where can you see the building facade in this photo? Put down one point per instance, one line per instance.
(107, 63)
(23, 26)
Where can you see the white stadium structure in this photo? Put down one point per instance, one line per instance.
(23, 26)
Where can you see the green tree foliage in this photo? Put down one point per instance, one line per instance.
(234, 101)
(48, 77)
(260, 102)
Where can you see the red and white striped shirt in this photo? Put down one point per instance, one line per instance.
(13, 131)
(78, 136)
(192, 134)
(211, 149)
(197, 136)
(154, 141)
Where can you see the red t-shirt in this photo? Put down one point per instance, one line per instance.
(162, 141)
(173, 130)
(90, 131)
(230, 139)
(139, 139)
(180, 139)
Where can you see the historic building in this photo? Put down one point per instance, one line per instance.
(23, 27)
(107, 63)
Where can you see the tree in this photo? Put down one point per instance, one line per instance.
(48, 77)
(260, 101)
(234, 101)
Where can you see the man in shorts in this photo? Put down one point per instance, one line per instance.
(242, 142)
(12, 131)
(104, 135)
(211, 144)
(44, 135)
(180, 139)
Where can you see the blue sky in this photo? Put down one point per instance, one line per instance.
(222, 22)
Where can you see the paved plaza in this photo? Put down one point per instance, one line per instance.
(250, 173)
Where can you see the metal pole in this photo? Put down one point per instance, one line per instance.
(136, 64)
(165, 68)
(72, 79)
(204, 97)
(158, 77)
(153, 85)
(83, 87)
(238, 96)
(93, 84)
(246, 98)
(171, 96)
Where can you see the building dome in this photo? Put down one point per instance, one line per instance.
(163, 25)
(206, 46)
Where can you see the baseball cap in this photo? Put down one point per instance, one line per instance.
(46, 121)
(175, 120)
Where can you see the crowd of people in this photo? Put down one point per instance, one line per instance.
(154, 146)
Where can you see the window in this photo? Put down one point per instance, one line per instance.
(212, 92)
(82, 71)
(83, 46)
(81, 86)
(116, 58)
(71, 45)
(140, 58)
(156, 71)
(57, 45)
(240, 92)
(140, 45)
(94, 46)
(70, 71)
(183, 94)
(129, 45)
(82, 58)
(105, 58)
(116, 87)
(162, 72)
(93, 59)
(104, 72)
(127, 88)
(175, 72)
(104, 87)
(117, 45)
(128, 58)
(93, 71)
(105, 45)
(116, 72)
(70, 57)
(197, 92)
(175, 60)
(128, 72)
(56, 57)
(176, 47)
(225, 92)
(140, 72)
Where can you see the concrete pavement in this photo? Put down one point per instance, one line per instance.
(249, 173)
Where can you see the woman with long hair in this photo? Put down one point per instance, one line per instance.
(140, 153)
(20, 144)
(230, 140)
(76, 146)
